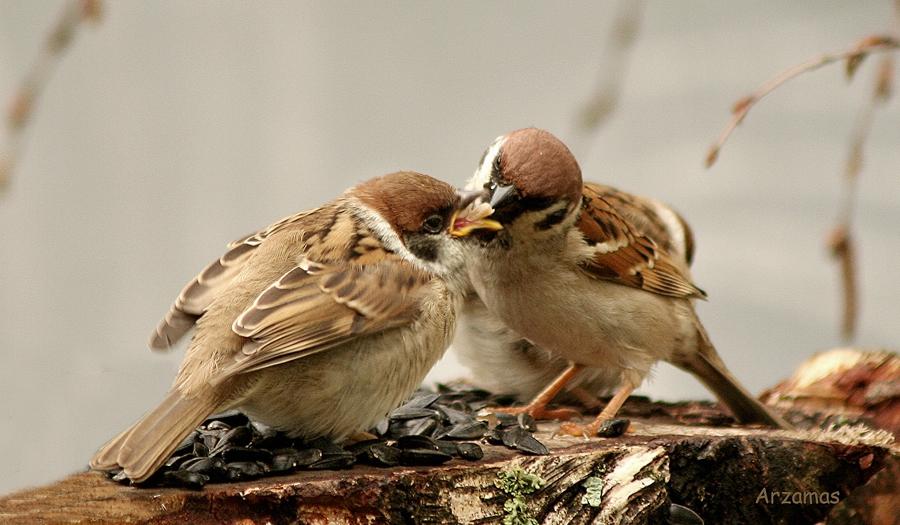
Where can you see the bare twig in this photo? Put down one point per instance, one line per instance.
(841, 241)
(843, 249)
(606, 94)
(853, 57)
(21, 108)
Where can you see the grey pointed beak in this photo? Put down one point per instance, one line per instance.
(467, 197)
(502, 195)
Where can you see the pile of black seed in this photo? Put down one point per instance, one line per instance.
(431, 428)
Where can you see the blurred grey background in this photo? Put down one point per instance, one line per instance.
(174, 127)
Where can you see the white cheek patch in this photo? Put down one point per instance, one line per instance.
(483, 173)
(389, 238)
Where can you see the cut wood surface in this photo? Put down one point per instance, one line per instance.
(688, 454)
(725, 475)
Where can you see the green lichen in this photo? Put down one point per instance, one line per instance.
(516, 483)
(593, 491)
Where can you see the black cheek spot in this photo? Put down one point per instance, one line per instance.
(551, 220)
(422, 247)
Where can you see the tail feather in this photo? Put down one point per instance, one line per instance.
(144, 447)
(706, 365)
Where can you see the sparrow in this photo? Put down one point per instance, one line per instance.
(501, 360)
(571, 273)
(318, 325)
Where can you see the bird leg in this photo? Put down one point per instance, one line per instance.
(537, 408)
(589, 400)
(608, 413)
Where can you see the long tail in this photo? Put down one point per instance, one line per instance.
(144, 447)
(706, 365)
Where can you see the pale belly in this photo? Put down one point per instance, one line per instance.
(588, 321)
(349, 388)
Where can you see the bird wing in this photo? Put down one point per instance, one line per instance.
(316, 306)
(623, 254)
(671, 233)
(198, 294)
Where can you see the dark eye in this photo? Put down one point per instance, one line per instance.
(433, 224)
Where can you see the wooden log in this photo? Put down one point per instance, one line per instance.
(678, 463)
(725, 475)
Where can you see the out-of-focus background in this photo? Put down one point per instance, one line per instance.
(173, 127)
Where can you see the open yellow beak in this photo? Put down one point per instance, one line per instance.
(471, 217)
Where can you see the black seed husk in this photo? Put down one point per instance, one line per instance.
(416, 442)
(233, 454)
(471, 430)
(613, 427)
(241, 470)
(185, 479)
(470, 451)
(430, 429)
(423, 456)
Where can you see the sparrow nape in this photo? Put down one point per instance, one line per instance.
(318, 325)
(571, 273)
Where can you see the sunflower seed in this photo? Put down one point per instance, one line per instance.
(447, 447)
(470, 451)
(186, 479)
(521, 439)
(237, 454)
(422, 400)
(471, 430)
(681, 515)
(613, 427)
(380, 455)
(214, 468)
(334, 462)
(240, 470)
(289, 459)
(422, 456)
(232, 418)
(404, 412)
(200, 449)
(416, 442)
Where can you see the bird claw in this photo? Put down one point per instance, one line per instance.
(577, 430)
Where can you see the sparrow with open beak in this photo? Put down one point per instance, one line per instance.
(501, 360)
(318, 325)
(573, 275)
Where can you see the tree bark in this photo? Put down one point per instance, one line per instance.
(686, 453)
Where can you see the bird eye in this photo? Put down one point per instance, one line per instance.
(433, 224)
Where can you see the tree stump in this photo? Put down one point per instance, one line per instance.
(686, 454)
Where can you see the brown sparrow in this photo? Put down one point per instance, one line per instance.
(500, 360)
(318, 325)
(572, 274)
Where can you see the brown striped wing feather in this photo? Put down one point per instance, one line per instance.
(314, 307)
(643, 216)
(197, 295)
(625, 255)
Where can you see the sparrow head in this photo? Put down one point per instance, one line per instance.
(425, 215)
(532, 180)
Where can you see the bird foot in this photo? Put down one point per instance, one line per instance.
(603, 427)
(539, 412)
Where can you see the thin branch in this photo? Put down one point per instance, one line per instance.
(841, 240)
(853, 57)
(23, 103)
(606, 94)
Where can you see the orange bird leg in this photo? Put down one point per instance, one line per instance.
(609, 412)
(587, 399)
(538, 406)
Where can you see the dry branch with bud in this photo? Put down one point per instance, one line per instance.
(853, 57)
(840, 240)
